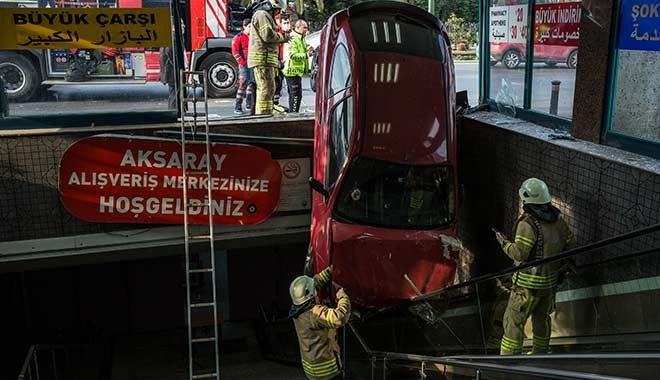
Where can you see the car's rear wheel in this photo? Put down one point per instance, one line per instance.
(493, 63)
(551, 64)
(572, 60)
(511, 59)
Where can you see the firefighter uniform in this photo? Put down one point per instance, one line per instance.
(539, 233)
(316, 326)
(263, 56)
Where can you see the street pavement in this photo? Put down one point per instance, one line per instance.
(506, 85)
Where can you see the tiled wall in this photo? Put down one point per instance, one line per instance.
(602, 192)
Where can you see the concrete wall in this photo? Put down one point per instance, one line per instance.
(30, 206)
(636, 110)
(602, 192)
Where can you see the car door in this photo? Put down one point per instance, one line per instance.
(331, 150)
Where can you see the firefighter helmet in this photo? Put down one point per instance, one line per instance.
(269, 5)
(535, 192)
(302, 290)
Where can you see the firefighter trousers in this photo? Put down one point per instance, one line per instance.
(523, 303)
(265, 78)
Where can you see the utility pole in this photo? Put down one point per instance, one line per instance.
(432, 7)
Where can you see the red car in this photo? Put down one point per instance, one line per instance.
(385, 199)
(513, 54)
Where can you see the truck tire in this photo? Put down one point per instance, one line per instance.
(22, 79)
(221, 74)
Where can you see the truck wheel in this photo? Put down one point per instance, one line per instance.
(21, 77)
(511, 59)
(221, 73)
(572, 60)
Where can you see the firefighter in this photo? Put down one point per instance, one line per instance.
(296, 65)
(540, 232)
(263, 54)
(316, 326)
(239, 49)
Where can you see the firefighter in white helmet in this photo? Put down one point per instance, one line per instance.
(316, 325)
(264, 53)
(540, 232)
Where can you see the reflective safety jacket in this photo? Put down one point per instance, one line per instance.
(535, 239)
(296, 63)
(317, 334)
(265, 41)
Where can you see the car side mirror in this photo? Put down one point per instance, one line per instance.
(318, 187)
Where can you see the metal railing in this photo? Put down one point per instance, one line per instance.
(46, 362)
(478, 367)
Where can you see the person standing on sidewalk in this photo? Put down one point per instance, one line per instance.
(263, 54)
(239, 49)
(296, 65)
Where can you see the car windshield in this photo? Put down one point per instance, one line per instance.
(399, 196)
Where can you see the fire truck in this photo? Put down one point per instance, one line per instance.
(208, 25)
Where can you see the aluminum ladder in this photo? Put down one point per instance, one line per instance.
(190, 82)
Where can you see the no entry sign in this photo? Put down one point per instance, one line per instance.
(111, 178)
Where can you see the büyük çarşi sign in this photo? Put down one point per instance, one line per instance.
(87, 28)
(120, 179)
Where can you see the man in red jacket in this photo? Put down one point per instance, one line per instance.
(239, 48)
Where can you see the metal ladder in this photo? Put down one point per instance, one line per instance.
(189, 84)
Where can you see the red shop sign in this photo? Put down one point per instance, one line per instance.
(121, 179)
(557, 24)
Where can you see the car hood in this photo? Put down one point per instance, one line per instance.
(371, 262)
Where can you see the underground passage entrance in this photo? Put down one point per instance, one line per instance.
(126, 319)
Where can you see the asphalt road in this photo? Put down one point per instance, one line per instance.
(89, 98)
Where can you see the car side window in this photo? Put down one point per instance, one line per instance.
(340, 76)
(341, 128)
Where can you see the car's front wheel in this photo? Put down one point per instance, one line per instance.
(511, 59)
(572, 60)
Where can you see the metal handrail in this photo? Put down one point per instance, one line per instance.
(564, 255)
(479, 366)
(31, 359)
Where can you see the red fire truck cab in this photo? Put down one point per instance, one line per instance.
(385, 166)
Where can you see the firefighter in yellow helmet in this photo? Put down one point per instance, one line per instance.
(264, 53)
(540, 232)
(316, 326)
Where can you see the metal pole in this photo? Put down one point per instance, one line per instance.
(384, 368)
(432, 7)
(481, 319)
(554, 97)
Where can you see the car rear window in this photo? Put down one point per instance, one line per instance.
(398, 34)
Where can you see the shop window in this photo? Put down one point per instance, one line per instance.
(556, 34)
(83, 60)
(543, 81)
(634, 110)
(508, 28)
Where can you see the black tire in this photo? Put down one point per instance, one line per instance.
(551, 64)
(493, 63)
(312, 80)
(221, 73)
(511, 59)
(21, 77)
(572, 60)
